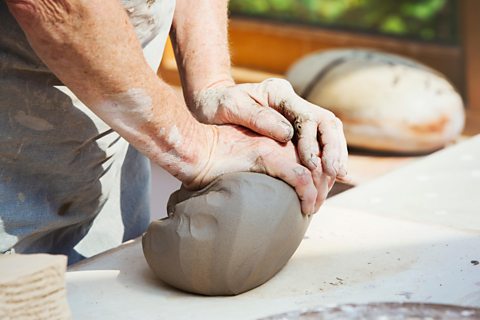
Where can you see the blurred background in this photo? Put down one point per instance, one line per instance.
(428, 20)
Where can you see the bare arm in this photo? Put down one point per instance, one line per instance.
(199, 38)
(92, 48)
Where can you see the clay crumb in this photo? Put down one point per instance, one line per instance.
(396, 79)
(338, 282)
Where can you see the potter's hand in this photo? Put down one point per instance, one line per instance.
(270, 108)
(233, 148)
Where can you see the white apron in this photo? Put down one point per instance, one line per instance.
(68, 183)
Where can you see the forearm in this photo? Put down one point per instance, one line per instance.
(92, 48)
(200, 41)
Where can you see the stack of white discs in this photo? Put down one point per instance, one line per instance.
(33, 287)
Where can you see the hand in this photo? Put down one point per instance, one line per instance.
(270, 108)
(233, 149)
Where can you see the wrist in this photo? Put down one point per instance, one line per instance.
(225, 81)
(196, 88)
(183, 150)
(204, 145)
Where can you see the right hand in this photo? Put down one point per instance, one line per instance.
(235, 149)
(272, 108)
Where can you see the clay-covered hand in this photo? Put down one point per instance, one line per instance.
(270, 108)
(233, 148)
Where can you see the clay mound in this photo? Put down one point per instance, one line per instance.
(386, 102)
(230, 237)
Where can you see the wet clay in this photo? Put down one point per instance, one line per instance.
(230, 237)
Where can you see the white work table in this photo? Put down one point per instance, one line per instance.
(411, 235)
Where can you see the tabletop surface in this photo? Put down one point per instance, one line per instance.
(411, 235)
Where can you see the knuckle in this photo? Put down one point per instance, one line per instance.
(305, 122)
(284, 84)
(225, 100)
(278, 83)
(339, 123)
(331, 121)
(328, 115)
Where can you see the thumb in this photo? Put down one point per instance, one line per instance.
(263, 120)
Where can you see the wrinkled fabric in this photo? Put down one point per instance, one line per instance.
(68, 183)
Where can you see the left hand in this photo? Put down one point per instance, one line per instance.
(270, 108)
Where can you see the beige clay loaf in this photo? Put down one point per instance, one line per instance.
(386, 102)
(231, 236)
(32, 286)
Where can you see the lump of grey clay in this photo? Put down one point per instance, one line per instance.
(231, 236)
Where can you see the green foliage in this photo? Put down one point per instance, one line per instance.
(424, 19)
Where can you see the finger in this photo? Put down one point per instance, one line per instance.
(307, 144)
(279, 94)
(282, 97)
(332, 142)
(323, 184)
(299, 177)
(343, 168)
(343, 159)
(263, 120)
(331, 181)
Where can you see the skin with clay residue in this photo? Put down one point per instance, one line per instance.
(133, 111)
(247, 105)
(174, 137)
(134, 104)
